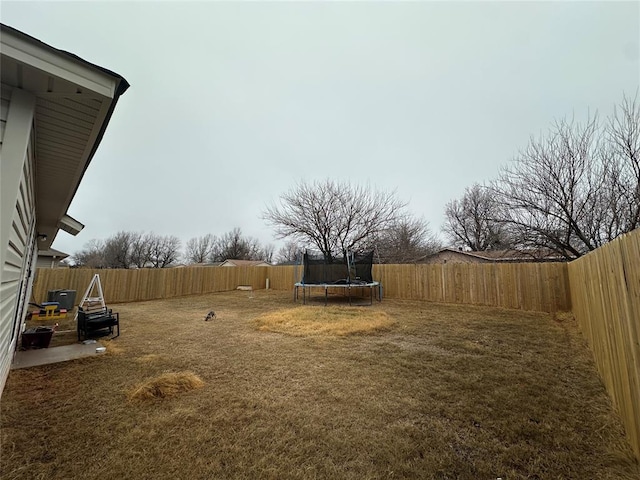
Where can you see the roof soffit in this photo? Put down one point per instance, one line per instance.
(74, 102)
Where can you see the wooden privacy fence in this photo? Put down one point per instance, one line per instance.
(528, 286)
(605, 292)
(149, 283)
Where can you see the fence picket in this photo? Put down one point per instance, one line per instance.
(605, 294)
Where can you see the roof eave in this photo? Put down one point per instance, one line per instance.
(91, 79)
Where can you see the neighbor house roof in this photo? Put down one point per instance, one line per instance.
(533, 255)
(184, 265)
(53, 253)
(244, 263)
(74, 101)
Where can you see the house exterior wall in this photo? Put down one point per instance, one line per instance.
(5, 96)
(47, 262)
(450, 256)
(17, 232)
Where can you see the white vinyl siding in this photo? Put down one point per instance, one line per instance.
(47, 262)
(19, 254)
(4, 111)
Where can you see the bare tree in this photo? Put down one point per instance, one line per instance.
(290, 252)
(266, 253)
(117, 250)
(335, 217)
(231, 245)
(165, 250)
(140, 251)
(91, 256)
(234, 245)
(254, 248)
(550, 194)
(570, 191)
(472, 221)
(199, 249)
(407, 240)
(621, 169)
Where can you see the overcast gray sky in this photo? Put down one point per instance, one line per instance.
(232, 103)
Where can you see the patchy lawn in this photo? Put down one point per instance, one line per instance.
(433, 391)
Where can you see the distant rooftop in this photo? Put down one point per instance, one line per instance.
(530, 255)
(244, 263)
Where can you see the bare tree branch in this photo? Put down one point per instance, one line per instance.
(91, 256)
(165, 250)
(407, 240)
(199, 249)
(234, 245)
(291, 252)
(472, 221)
(576, 188)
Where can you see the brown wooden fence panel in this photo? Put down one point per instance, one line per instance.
(284, 277)
(605, 291)
(149, 283)
(527, 286)
(541, 287)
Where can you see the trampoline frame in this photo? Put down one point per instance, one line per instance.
(373, 286)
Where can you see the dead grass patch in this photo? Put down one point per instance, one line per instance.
(113, 348)
(331, 320)
(166, 385)
(149, 358)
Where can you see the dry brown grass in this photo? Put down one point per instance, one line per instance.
(447, 392)
(112, 346)
(151, 357)
(168, 384)
(332, 320)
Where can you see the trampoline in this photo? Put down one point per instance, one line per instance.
(352, 273)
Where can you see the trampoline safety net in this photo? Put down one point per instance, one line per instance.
(354, 269)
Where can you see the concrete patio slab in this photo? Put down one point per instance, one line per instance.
(45, 356)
